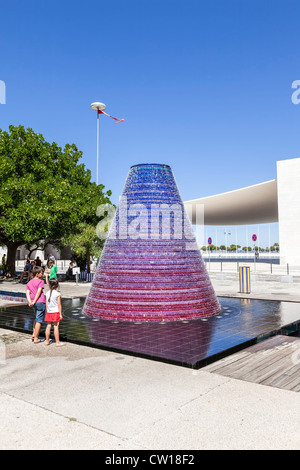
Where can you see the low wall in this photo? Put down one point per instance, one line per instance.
(13, 296)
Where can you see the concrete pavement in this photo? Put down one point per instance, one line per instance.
(77, 397)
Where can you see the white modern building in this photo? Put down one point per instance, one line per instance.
(277, 200)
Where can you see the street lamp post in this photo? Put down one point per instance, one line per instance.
(98, 107)
(226, 233)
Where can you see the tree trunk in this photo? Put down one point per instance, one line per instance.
(88, 264)
(11, 259)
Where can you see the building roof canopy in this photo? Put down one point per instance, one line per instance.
(255, 204)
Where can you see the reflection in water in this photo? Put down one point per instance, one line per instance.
(191, 343)
(288, 309)
(245, 302)
(255, 314)
(178, 341)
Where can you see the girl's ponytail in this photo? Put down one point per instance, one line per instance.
(53, 284)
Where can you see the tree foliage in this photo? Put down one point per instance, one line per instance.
(44, 192)
(84, 244)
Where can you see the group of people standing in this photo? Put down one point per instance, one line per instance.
(50, 268)
(47, 307)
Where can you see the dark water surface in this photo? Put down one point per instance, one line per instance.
(193, 343)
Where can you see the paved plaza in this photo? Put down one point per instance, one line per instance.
(78, 397)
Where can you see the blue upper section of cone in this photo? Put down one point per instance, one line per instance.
(150, 183)
(152, 165)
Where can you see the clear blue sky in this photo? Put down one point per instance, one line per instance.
(204, 86)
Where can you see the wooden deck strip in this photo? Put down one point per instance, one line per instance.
(276, 363)
(269, 375)
(249, 361)
(260, 362)
(227, 360)
(273, 362)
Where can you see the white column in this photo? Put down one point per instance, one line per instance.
(288, 193)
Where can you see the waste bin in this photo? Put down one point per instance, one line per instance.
(245, 279)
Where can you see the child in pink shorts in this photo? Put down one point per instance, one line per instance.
(53, 311)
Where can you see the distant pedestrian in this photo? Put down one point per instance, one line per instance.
(51, 257)
(51, 272)
(27, 268)
(36, 299)
(72, 265)
(30, 271)
(54, 311)
(4, 264)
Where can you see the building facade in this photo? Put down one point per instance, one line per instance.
(276, 200)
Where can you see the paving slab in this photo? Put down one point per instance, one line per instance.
(232, 416)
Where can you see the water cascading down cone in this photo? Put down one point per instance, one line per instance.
(151, 268)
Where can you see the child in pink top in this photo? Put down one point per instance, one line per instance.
(36, 299)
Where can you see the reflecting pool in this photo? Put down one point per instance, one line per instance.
(189, 343)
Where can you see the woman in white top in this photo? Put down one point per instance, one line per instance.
(53, 311)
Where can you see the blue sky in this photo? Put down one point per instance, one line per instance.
(204, 86)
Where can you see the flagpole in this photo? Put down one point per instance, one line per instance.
(97, 148)
(98, 107)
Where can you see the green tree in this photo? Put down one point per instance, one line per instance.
(258, 248)
(234, 247)
(86, 242)
(44, 192)
(211, 247)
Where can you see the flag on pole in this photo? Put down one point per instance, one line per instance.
(116, 119)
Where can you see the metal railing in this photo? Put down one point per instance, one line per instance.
(62, 266)
(269, 268)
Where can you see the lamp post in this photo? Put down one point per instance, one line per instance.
(98, 107)
(226, 233)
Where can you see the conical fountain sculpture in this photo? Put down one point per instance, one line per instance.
(151, 268)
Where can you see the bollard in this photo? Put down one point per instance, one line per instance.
(245, 279)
